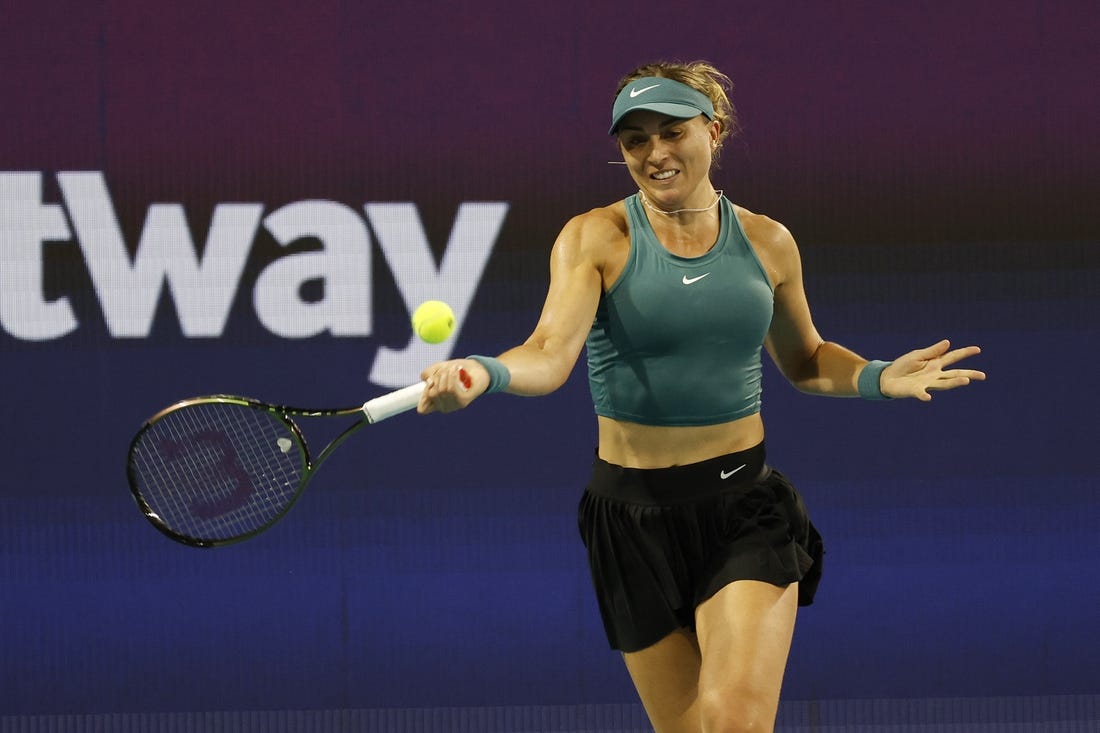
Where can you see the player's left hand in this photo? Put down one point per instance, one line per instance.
(923, 371)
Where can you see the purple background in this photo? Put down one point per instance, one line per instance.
(938, 163)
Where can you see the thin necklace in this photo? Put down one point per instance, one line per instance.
(651, 207)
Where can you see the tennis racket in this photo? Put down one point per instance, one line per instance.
(211, 471)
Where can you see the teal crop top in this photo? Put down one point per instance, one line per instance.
(677, 340)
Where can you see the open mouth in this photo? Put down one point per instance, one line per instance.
(665, 174)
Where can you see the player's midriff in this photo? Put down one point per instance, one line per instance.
(659, 446)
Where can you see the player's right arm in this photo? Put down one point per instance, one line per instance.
(544, 361)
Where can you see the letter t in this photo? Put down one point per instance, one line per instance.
(26, 224)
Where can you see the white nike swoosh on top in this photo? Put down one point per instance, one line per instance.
(726, 474)
(690, 280)
(636, 92)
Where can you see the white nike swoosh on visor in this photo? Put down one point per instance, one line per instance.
(636, 92)
(691, 280)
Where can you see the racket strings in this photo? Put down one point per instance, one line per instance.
(217, 471)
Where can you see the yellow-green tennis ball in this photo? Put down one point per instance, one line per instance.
(433, 321)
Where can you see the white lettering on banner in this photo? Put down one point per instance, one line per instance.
(26, 224)
(128, 293)
(405, 246)
(343, 265)
(204, 287)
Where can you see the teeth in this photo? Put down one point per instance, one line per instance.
(664, 174)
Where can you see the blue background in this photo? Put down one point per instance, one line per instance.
(938, 163)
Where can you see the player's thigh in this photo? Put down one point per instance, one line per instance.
(745, 632)
(666, 676)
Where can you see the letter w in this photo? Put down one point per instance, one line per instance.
(203, 290)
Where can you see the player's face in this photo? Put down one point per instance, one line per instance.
(669, 158)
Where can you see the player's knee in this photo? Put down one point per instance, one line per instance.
(723, 711)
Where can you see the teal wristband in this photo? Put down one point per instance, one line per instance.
(869, 386)
(499, 376)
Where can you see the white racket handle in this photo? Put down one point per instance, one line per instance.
(393, 403)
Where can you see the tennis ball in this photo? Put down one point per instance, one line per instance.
(433, 321)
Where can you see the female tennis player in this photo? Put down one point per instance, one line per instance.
(700, 552)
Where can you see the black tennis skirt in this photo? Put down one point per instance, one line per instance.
(661, 541)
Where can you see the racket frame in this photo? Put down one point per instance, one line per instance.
(370, 412)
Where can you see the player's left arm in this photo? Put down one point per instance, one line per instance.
(817, 366)
(807, 360)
